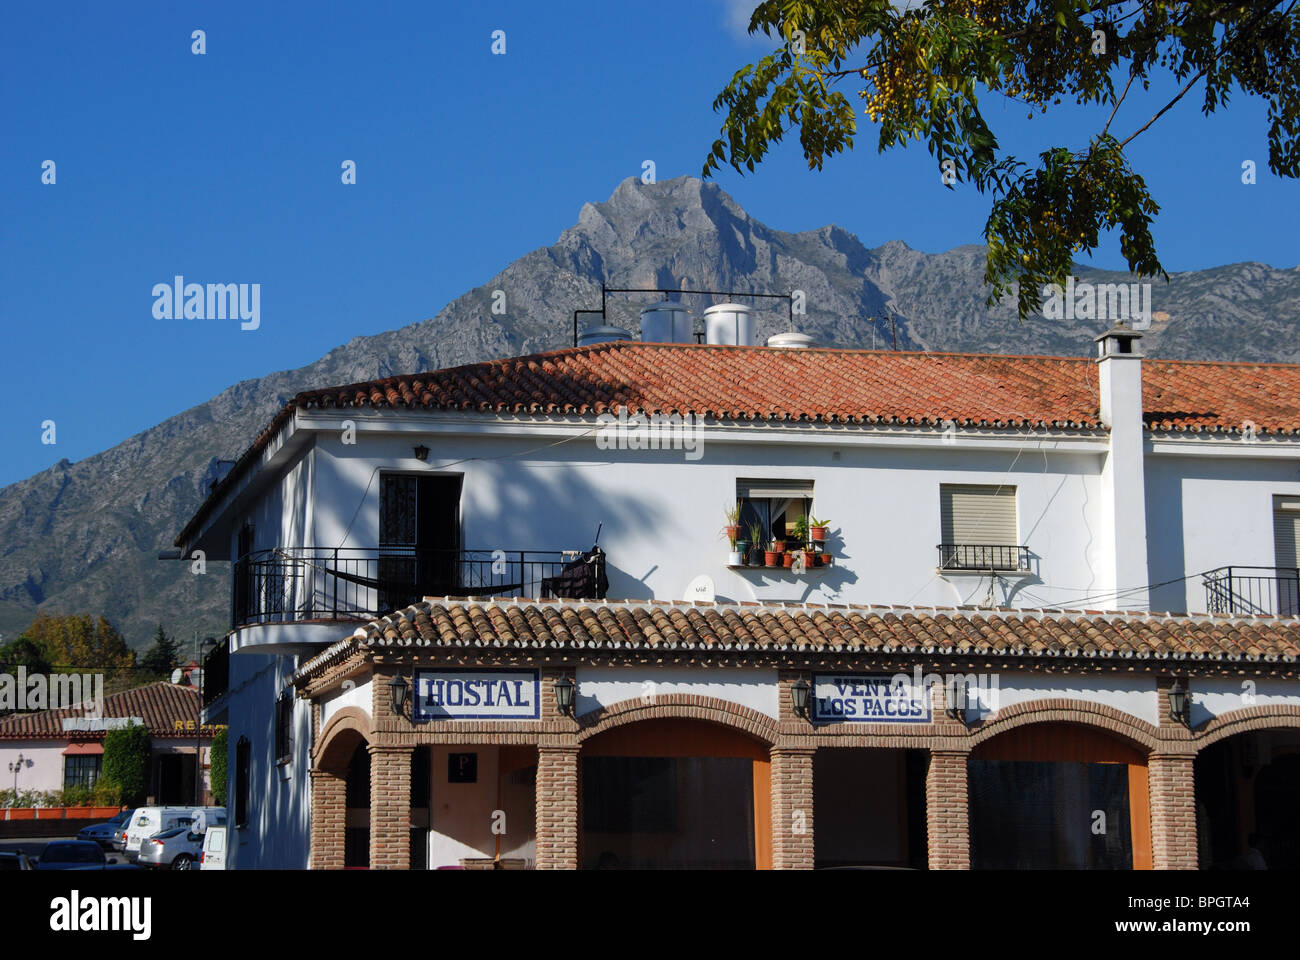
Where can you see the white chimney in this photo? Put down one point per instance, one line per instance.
(730, 323)
(667, 322)
(1123, 483)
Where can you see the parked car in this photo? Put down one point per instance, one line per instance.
(77, 855)
(178, 848)
(150, 820)
(15, 861)
(213, 856)
(105, 834)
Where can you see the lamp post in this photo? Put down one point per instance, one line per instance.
(201, 651)
(14, 767)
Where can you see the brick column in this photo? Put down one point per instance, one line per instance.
(947, 814)
(328, 812)
(557, 807)
(792, 808)
(1173, 812)
(390, 807)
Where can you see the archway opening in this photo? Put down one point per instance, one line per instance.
(1247, 792)
(356, 821)
(675, 794)
(1059, 796)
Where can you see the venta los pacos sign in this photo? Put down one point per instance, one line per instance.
(869, 699)
(477, 695)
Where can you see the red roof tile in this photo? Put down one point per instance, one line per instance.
(161, 705)
(827, 385)
(1034, 636)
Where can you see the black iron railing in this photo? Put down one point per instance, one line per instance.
(216, 673)
(1273, 591)
(983, 556)
(306, 583)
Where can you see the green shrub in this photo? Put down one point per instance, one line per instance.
(217, 767)
(126, 762)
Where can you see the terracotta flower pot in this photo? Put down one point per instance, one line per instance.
(771, 558)
(817, 533)
(732, 531)
(789, 560)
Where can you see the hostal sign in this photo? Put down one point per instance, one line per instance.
(868, 699)
(476, 695)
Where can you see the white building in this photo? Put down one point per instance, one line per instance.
(978, 497)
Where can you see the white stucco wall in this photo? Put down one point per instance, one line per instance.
(1136, 696)
(42, 764)
(355, 696)
(604, 686)
(1212, 698)
(662, 514)
(277, 835)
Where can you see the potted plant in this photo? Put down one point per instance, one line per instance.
(732, 527)
(772, 556)
(801, 530)
(817, 528)
(809, 557)
(755, 544)
(736, 558)
(789, 559)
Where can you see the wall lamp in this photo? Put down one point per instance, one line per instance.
(958, 703)
(421, 453)
(1180, 703)
(799, 693)
(564, 696)
(397, 689)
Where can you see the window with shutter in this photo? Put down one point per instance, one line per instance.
(978, 527)
(1286, 550)
(773, 508)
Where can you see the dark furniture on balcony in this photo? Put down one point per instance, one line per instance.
(1270, 591)
(307, 583)
(984, 556)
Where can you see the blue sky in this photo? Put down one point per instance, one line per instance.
(225, 167)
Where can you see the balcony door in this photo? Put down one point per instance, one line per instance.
(419, 537)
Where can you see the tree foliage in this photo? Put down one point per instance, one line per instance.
(78, 641)
(924, 72)
(162, 656)
(127, 752)
(217, 767)
(25, 652)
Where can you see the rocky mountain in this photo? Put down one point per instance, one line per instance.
(84, 536)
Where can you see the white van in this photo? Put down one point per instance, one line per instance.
(150, 820)
(214, 849)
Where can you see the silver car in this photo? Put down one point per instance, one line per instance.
(176, 848)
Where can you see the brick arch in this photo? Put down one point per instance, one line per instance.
(681, 705)
(1098, 716)
(1280, 716)
(333, 749)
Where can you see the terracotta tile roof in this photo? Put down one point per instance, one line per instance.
(160, 705)
(848, 386)
(1030, 635)
(826, 385)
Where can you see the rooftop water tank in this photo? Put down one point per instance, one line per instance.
(791, 340)
(729, 323)
(667, 322)
(593, 335)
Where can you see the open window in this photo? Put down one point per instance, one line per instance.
(774, 508)
(419, 537)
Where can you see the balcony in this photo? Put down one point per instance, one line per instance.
(216, 673)
(998, 558)
(291, 584)
(1270, 591)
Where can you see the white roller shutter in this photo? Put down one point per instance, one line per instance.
(1286, 531)
(978, 514)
